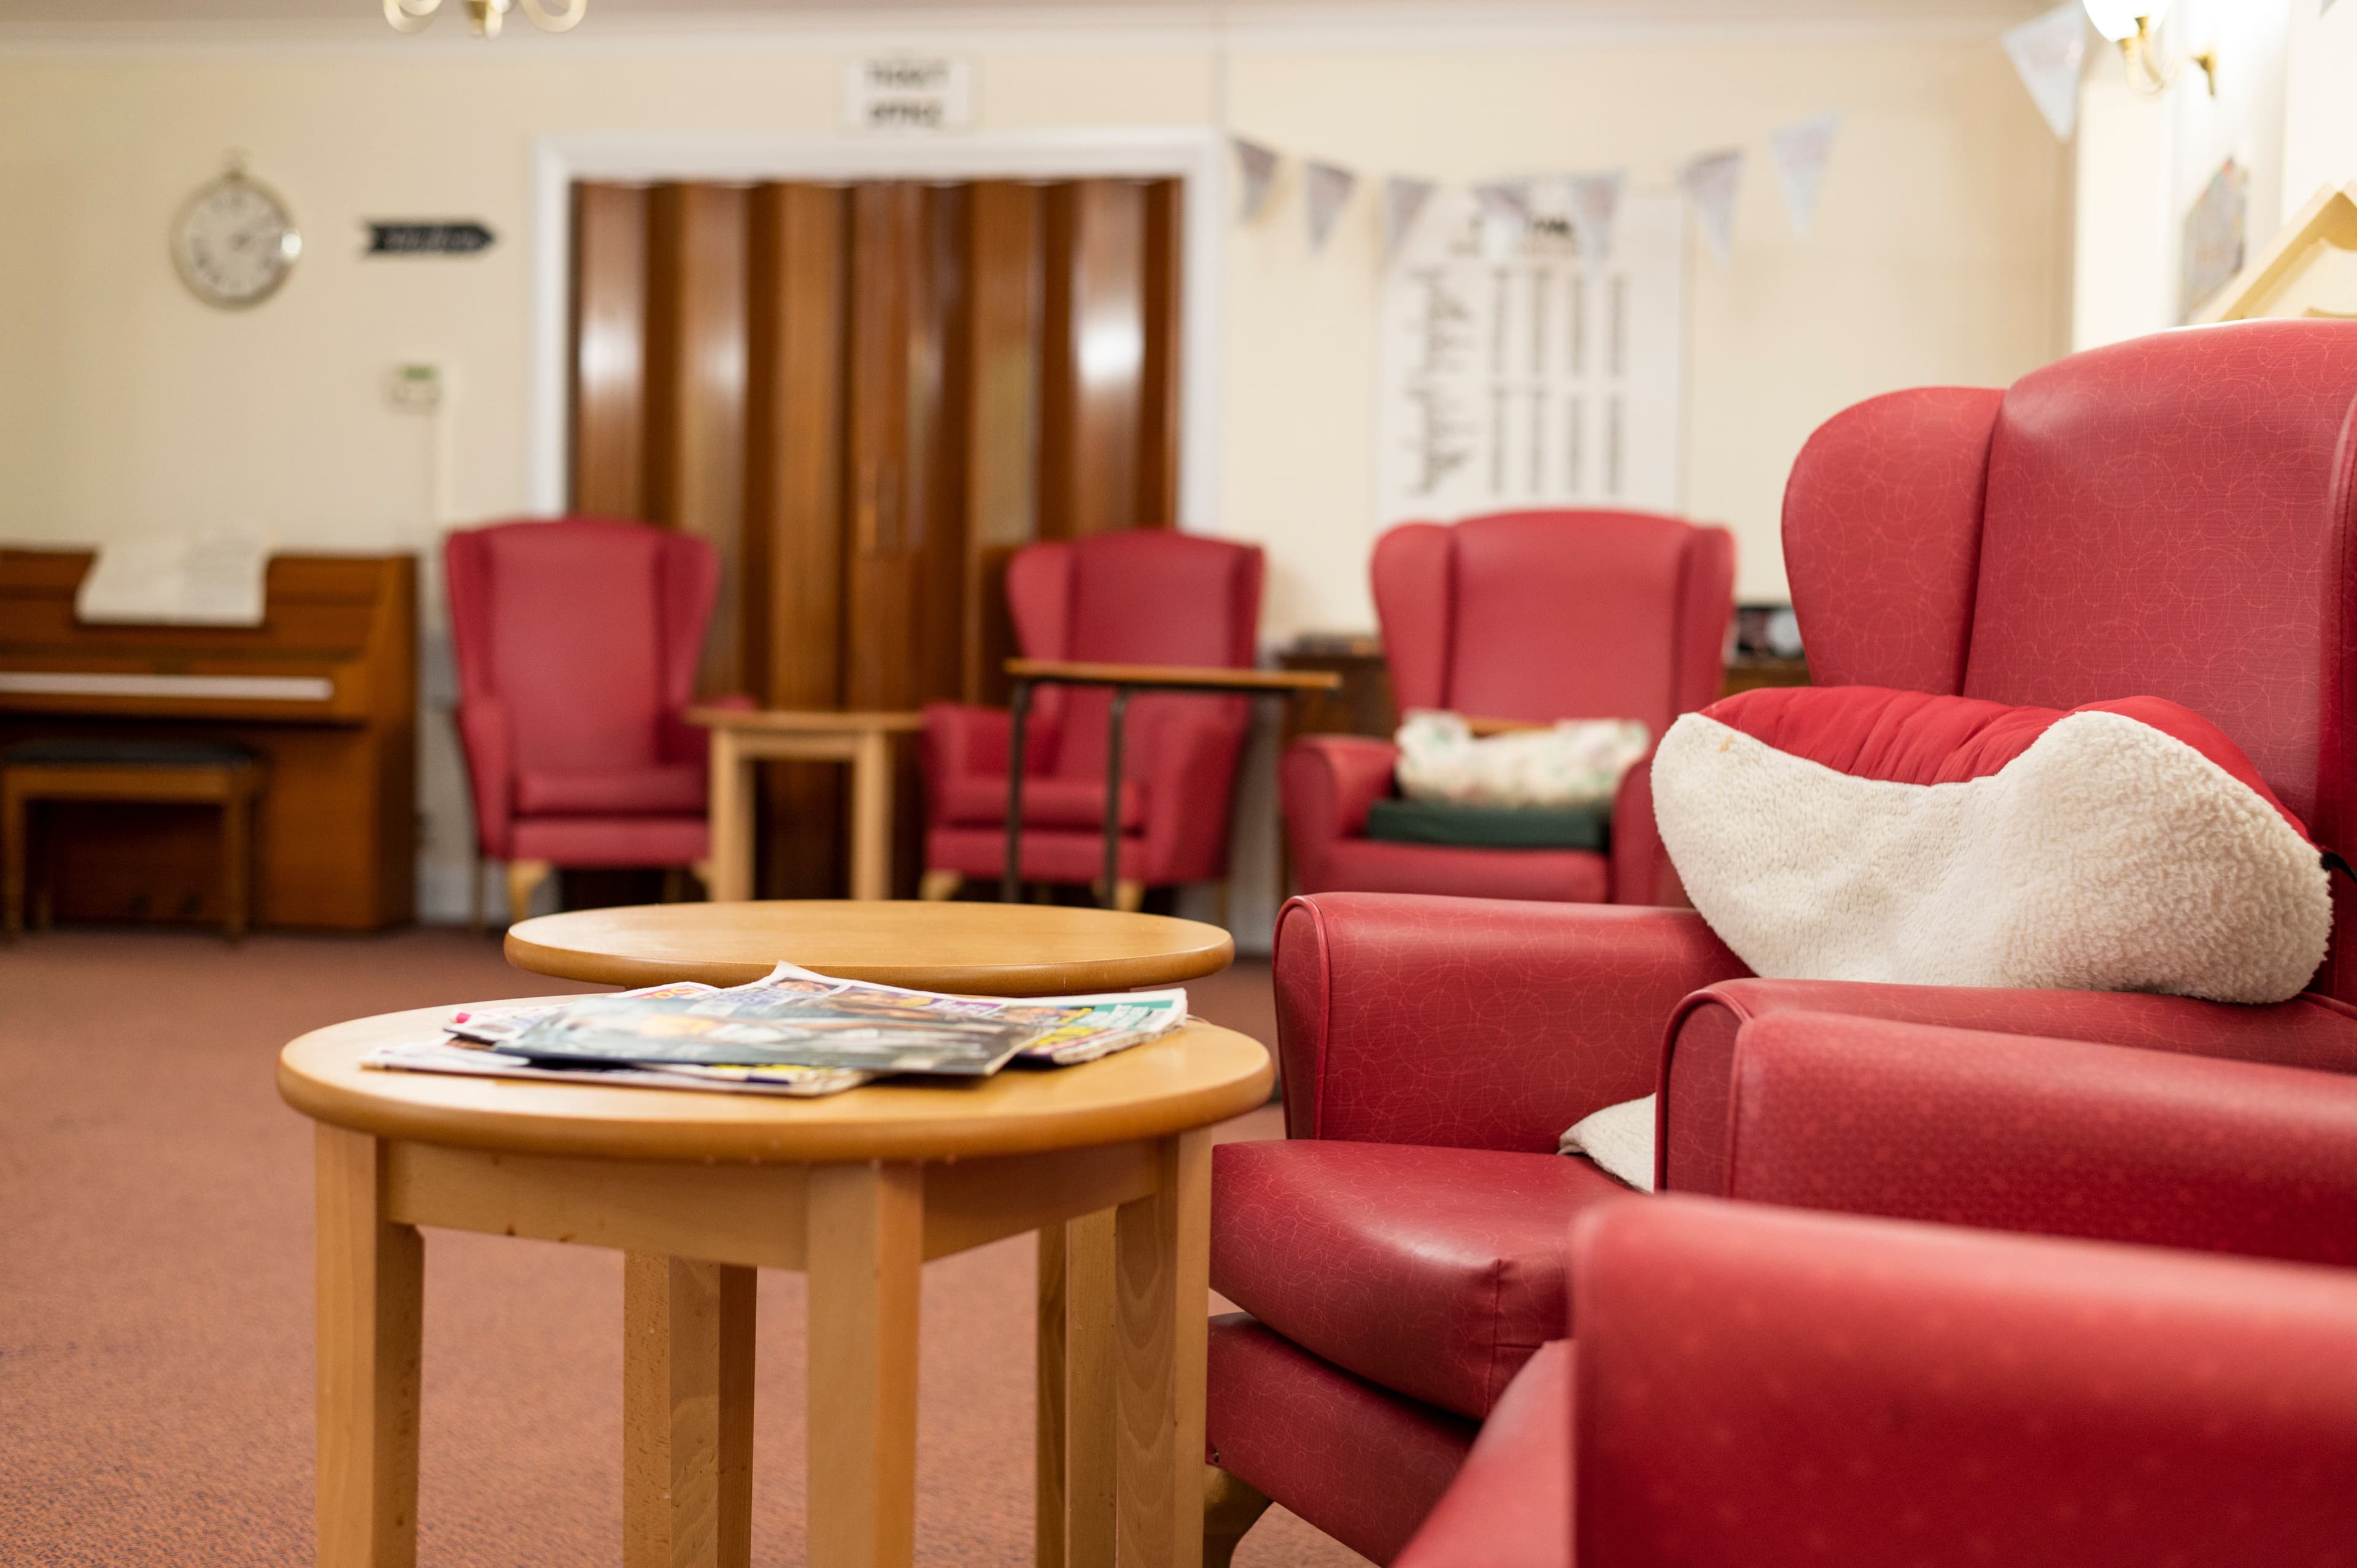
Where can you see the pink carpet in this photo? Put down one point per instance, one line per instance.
(156, 1293)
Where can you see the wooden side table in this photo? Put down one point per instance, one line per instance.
(1126, 681)
(742, 737)
(858, 1190)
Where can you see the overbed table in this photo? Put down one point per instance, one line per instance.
(856, 1190)
(742, 737)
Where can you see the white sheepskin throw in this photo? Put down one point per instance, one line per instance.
(1853, 833)
(1574, 762)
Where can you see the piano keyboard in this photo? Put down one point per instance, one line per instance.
(252, 688)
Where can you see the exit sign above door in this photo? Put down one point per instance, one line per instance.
(908, 93)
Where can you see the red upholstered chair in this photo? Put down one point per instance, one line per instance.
(1145, 597)
(577, 641)
(1535, 615)
(1749, 1389)
(2175, 516)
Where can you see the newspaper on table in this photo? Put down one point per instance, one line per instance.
(793, 1032)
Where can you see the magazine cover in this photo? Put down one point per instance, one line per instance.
(1072, 1029)
(474, 1062)
(798, 1019)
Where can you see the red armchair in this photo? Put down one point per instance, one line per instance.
(2173, 516)
(1145, 597)
(1754, 1388)
(1534, 616)
(577, 641)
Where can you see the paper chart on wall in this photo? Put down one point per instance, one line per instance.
(1531, 374)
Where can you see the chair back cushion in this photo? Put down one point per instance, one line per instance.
(1556, 615)
(2173, 515)
(586, 631)
(1862, 833)
(1143, 597)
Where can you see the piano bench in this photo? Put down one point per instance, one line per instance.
(132, 771)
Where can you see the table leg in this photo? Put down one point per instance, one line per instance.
(1076, 1394)
(731, 820)
(1162, 1284)
(687, 1413)
(865, 1251)
(371, 1280)
(871, 817)
(1115, 716)
(1019, 710)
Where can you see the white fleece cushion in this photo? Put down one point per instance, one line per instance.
(1620, 1138)
(2106, 853)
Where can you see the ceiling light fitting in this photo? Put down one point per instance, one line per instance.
(409, 15)
(2135, 26)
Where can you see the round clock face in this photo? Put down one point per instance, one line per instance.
(234, 242)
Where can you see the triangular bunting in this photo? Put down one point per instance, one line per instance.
(1802, 152)
(1403, 201)
(1594, 203)
(1505, 206)
(1258, 164)
(1711, 183)
(1327, 190)
(2049, 52)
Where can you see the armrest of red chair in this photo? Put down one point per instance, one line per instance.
(486, 740)
(1864, 1391)
(1475, 1022)
(1692, 1152)
(683, 742)
(1326, 783)
(1510, 1506)
(1641, 872)
(2060, 1137)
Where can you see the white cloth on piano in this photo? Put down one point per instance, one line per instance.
(205, 579)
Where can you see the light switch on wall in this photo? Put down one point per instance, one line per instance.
(415, 388)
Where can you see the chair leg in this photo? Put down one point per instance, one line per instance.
(1128, 896)
(702, 870)
(674, 889)
(524, 878)
(1230, 1507)
(475, 892)
(940, 885)
(1220, 903)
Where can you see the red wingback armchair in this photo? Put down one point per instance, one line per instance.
(1144, 597)
(1534, 616)
(577, 641)
(1895, 1393)
(2174, 516)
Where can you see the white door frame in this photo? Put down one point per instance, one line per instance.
(1190, 153)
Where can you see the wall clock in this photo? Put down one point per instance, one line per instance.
(234, 240)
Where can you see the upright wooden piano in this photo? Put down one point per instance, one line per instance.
(324, 691)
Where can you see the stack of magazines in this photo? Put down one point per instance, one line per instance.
(791, 1032)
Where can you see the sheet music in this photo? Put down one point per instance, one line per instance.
(1530, 375)
(212, 579)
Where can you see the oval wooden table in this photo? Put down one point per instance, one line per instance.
(858, 1190)
(993, 950)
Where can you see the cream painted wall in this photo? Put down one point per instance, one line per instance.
(1937, 257)
(2320, 101)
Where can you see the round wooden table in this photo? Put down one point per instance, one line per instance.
(858, 1190)
(996, 950)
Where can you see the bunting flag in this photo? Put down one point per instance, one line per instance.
(1505, 208)
(1328, 188)
(1711, 183)
(1403, 201)
(1259, 165)
(2049, 50)
(1802, 152)
(1594, 202)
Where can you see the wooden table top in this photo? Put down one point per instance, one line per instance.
(806, 719)
(1193, 1078)
(1082, 673)
(989, 949)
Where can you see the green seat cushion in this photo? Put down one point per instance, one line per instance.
(1489, 827)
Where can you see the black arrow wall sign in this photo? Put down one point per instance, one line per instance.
(412, 239)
